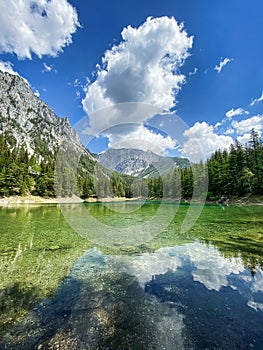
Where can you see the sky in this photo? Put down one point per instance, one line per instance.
(176, 77)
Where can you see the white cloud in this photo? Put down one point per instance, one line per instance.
(245, 126)
(138, 78)
(244, 138)
(203, 141)
(144, 67)
(119, 118)
(238, 111)
(142, 138)
(194, 71)
(7, 67)
(257, 100)
(42, 27)
(218, 124)
(229, 131)
(78, 83)
(48, 68)
(222, 64)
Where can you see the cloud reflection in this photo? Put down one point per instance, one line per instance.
(208, 267)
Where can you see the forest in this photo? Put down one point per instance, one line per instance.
(235, 173)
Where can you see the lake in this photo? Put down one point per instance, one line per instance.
(131, 275)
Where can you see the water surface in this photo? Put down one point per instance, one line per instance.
(197, 290)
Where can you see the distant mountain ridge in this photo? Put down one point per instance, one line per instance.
(139, 163)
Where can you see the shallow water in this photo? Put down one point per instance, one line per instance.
(197, 290)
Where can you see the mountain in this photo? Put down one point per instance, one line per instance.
(28, 121)
(40, 153)
(139, 163)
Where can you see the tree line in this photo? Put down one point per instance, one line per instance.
(238, 172)
(234, 173)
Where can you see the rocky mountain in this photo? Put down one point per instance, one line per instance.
(139, 163)
(28, 121)
(40, 153)
(29, 124)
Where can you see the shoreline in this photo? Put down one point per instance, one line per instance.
(13, 200)
(5, 201)
(37, 200)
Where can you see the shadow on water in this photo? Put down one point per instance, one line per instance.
(98, 308)
(42, 322)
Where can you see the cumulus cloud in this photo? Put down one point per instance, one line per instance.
(142, 138)
(229, 131)
(132, 133)
(245, 126)
(144, 67)
(222, 64)
(257, 100)
(203, 141)
(244, 138)
(42, 27)
(234, 112)
(119, 118)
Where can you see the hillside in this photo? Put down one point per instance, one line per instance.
(28, 121)
(31, 136)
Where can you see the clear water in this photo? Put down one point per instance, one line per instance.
(197, 290)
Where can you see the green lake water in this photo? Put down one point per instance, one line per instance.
(130, 276)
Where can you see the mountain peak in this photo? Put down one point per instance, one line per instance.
(137, 162)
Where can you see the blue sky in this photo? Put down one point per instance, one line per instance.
(213, 66)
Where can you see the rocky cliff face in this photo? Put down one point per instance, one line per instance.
(139, 163)
(26, 120)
